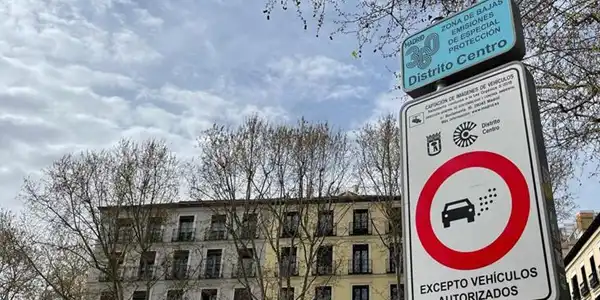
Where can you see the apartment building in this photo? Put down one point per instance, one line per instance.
(582, 262)
(572, 231)
(344, 247)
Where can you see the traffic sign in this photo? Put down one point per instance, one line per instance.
(481, 37)
(478, 223)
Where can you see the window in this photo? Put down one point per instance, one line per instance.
(324, 261)
(115, 262)
(107, 295)
(360, 292)
(394, 259)
(286, 293)
(395, 221)
(154, 230)
(213, 263)
(124, 230)
(180, 261)
(325, 223)
(395, 293)
(360, 224)
(249, 226)
(360, 259)
(146, 268)
(175, 295)
(593, 273)
(185, 231)
(323, 293)
(585, 290)
(290, 225)
(575, 288)
(287, 263)
(218, 228)
(140, 295)
(208, 294)
(242, 294)
(245, 268)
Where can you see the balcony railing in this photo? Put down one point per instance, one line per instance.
(584, 289)
(143, 273)
(393, 228)
(177, 272)
(212, 234)
(214, 271)
(248, 233)
(360, 266)
(289, 231)
(326, 230)
(390, 266)
(104, 277)
(593, 279)
(183, 235)
(324, 268)
(125, 235)
(288, 269)
(155, 235)
(360, 228)
(243, 271)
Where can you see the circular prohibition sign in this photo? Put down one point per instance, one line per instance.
(519, 214)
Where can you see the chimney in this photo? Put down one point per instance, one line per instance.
(583, 219)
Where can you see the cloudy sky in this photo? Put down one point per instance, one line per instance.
(81, 74)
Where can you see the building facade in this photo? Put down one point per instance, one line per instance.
(345, 247)
(582, 261)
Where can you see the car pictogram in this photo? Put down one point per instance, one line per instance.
(456, 210)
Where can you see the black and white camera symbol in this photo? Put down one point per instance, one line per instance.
(416, 119)
(463, 136)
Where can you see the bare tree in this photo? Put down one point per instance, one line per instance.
(273, 182)
(563, 55)
(98, 214)
(18, 280)
(378, 162)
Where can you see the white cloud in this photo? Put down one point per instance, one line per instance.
(313, 68)
(81, 74)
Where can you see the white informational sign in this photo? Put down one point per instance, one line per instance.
(476, 216)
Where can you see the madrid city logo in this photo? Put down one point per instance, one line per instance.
(421, 56)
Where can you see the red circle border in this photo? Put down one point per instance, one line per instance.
(519, 214)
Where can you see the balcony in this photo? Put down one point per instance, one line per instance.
(212, 234)
(243, 271)
(177, 272)
(288, 269)
(324, 268)
(358, 266)
(327, 230)
(390, 266)
(584, 289)
(183, 235)
(155, 235)
(390, 229)
(360, 228)
(126, 235)
(106, 277)
(289, 231)
(248, 233)
(211, 272)
(593, 279)
(143, 273)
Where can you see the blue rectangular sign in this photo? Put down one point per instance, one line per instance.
(478, 34)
